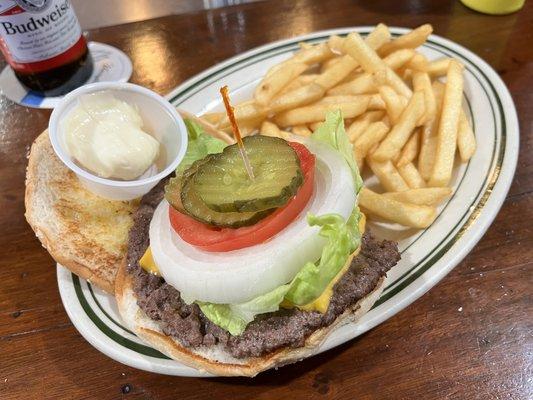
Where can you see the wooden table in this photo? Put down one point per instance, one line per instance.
(469, 338)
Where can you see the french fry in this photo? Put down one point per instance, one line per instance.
(375, 39)
(415, 216)
(411, 176)
(273, 83)
(418, 63)
(306, 79)
(382, 77)
(378, 37)
(313, 54)
(376, 102)
(388, 175)
(336, 44)
(301, 130)
(363, 84)
(401, 131)
(373, 134)
(422, 82)
(271, 129)
(386, 76)
(428, 142)
(295, 84)
(245, 112)
(336, 73)
(305, 45)
(410, 40)
(342, 99)
(448, 124)
(438, 68)
(329, 63)
(212, 118)
(356, 73)
(410, 150)
(317, 112)
(347, 122)
(394, 104)
(466, 141)
(276, 67)
(302, 80)
(421, 197)
(297, 98)
(210, 129)
(360, 124)
(313, 126)
(406, 74)
(247, 129)
(371, 62)
(428, 149)
(399, 58)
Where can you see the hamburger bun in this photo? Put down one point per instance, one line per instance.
(83, 232)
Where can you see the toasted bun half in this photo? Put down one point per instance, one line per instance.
(85, 233)
(215, 360)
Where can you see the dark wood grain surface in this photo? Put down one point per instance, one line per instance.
(470, 337)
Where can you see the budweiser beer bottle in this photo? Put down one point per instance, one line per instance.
(42, 41)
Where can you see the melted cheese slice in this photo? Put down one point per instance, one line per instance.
(147, 262)
(321, 304)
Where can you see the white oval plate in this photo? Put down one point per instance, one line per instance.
(480, 187)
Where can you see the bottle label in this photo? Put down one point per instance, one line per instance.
(36, 30)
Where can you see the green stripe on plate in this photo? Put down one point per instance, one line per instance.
(105, 312)
(101, 325)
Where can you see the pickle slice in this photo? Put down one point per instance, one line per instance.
(174, 186)
(224, 185)
(180, 196)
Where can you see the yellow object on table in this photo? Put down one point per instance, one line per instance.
(494, 6)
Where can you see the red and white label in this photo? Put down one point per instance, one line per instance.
(37, 30)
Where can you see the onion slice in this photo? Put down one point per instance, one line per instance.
(238, 276)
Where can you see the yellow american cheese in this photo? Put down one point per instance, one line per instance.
(321, 303)
(147, 262)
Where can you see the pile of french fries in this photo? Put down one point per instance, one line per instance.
(402, 113)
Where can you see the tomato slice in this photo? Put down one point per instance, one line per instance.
(214, 239)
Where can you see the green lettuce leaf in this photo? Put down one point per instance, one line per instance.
(342, 240)
(223, 316)
(235, 317)
(200, 145)
(332, 132)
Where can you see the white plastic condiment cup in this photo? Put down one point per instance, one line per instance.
(160, 119)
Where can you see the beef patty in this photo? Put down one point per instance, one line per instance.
(268, 332)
